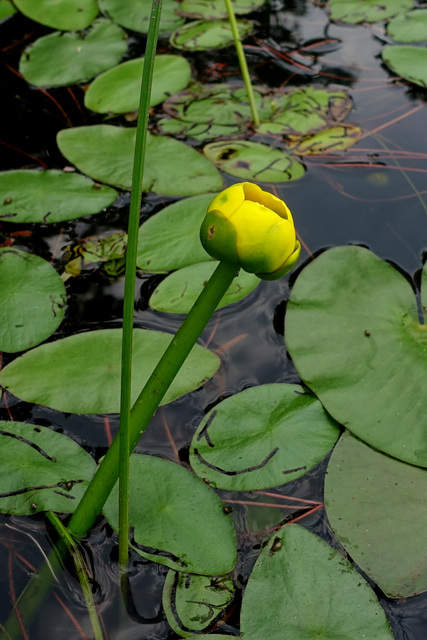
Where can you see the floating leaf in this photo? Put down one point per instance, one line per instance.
(60, 59)
(262, 437)
(355, 11)
(193, 603)
(66, 15)
(409, 27)
(118, 89)
(302, 111)
(254, 161)
(41, 470)
(353, 332)
(6, 9)
(50, 196)
(408, 62)
(81, 373)
(331, 140)
(216, 8)
(179, 291)
(178, 521)
(302, 585)
(200, 35)
(32, 300)
(136, 15)
(377, 508)
(106, 153)
(176, 227)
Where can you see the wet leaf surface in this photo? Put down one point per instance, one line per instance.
(65, 15)
(356, 11)
(136, 15)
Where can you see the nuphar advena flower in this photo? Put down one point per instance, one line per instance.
(253, 229)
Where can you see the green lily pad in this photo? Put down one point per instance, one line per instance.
(60, 59)
(303, 111)
(377, 509)
(135, 14)
(216, 8)
(41, 470)
(254, 161)
(6, 9)
(32, 300)
(353, 332)
(66, 15)
(106, 153)
(176, 227)
(81, 373)
(200, 35)
(178, 521)
(408, 62)
(331, 140)
(302, 585)
(409, 27)
(355, 11)
(50, 196)
(118, 89)
(193, 603)
(262, 437)
(179, 291)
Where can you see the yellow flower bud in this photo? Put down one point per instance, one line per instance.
(249, 227)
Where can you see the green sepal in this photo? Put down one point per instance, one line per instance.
(219, 237)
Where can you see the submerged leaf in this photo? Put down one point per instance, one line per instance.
(81, 373)
(353, 332)
(331, 140)
(41, 470)
(216, 8)
(178, 521)
(200, 35)
(32, 300)
(377, 508)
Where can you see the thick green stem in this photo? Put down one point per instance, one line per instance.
(90, 506)
(242, 62)
(129, 294)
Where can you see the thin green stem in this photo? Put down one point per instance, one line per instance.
(81, 571)
(90, 506)
(242, 62)
(129, 294)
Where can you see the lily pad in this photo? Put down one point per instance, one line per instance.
(66, 15)
(61, 59)
(200, 35)
(81, 373)
(193, 603)
(408, 62)
(32, 300)
(178, 521)
(176, 227)
(135, 14)
(409, 27)
(331, 140)
(118, 89)
(179, 291)
(216, 8)
(303, 111)
(6, 9)
(41, 470)
(254, 161)
(378, 510)
(50, 196)
(309, 589)
(353, 332)
(355, 11)
(106, 153)
(262, 437)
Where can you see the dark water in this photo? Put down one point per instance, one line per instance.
(374, 195)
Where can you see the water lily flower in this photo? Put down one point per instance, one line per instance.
(249, 227)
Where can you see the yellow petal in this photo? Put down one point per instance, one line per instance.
(254, 193)
(228, 200)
